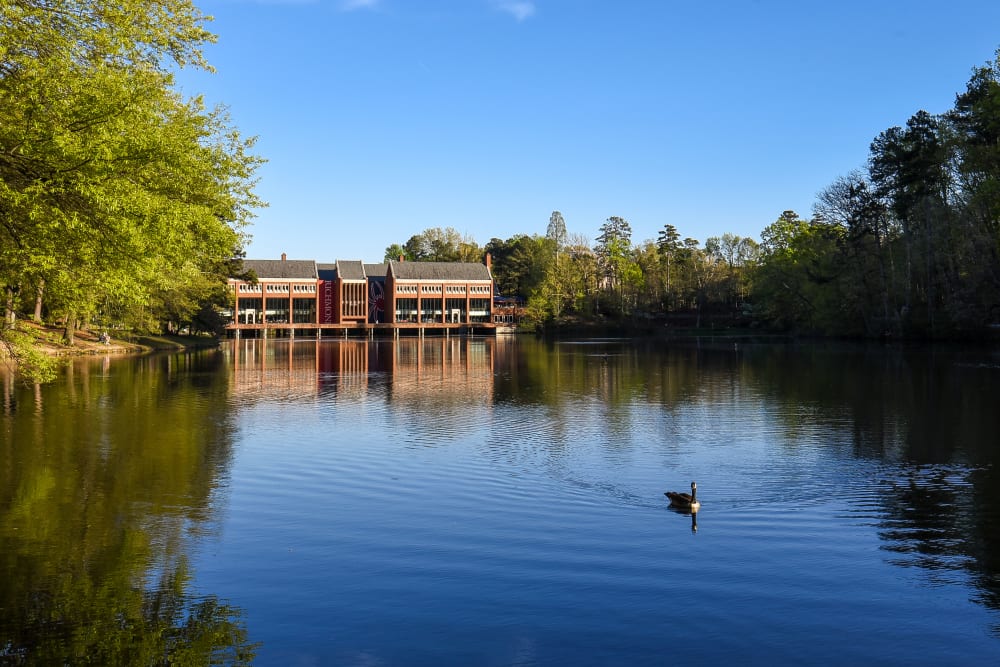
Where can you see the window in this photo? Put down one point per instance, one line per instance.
(479, 310)
(430, 310)
(303, 311)
(406, 310)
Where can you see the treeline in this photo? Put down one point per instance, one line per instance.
(121, 201)
(907, 247)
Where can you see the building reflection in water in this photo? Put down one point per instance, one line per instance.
(418, 368)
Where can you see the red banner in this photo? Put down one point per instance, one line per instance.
(327, 303)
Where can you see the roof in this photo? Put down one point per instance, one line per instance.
(376, 270)
(439, 271)
(289, 269)
(350, 269)
(326, 271)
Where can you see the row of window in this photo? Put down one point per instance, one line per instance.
(282, 288)
(436, 289)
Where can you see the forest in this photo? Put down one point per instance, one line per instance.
(906, 248)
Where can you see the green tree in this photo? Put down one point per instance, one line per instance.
(737, 256)
(798, 284)
(614, 254)
(520, 263)
(556, 230)
(395, 252)
(909, 169)
(668, 244)
(108, 177)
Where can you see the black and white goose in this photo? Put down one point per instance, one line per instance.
(688, 501)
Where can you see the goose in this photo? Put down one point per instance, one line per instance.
(687, 501)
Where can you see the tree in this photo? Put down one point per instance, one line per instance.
(667, 244)
(613, 249)
(975, 123)
(108, 177)
(799, 282)
(520, 263)
(614, 255)
(737, 256)
(437, 245)
(908, 168)
(556, 231)
(852, 203)
(395, 252)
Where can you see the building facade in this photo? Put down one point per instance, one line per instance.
(303, 295)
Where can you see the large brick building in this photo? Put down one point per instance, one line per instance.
(290, 296)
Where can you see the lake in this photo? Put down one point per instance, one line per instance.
(500, 502)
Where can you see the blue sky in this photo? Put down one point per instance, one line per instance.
(382, 118)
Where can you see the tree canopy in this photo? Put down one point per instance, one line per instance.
(113, 186)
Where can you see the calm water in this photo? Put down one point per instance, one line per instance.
(500, 502)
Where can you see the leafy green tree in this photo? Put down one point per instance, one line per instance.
(108, 177)
(561, 290)
(737, 256)
(395, 252)
(798, 284)
(614, 254)
(520, 263)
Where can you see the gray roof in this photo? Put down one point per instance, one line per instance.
(439, 271)
(326, 271)
(376, 270)
(289, 269)
(350, 269)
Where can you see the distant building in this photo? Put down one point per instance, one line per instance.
(302, 295)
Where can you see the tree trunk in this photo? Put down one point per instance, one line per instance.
(8, 307)
(69, 332)
(38, 301)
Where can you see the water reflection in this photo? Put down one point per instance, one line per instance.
(105, 483)
(688, 513)
(903, 408)
(109, 479)
(907, 410)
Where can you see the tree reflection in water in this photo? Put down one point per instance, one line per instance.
(924, 416)
(106, 478)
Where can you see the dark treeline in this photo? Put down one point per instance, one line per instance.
(907, 247)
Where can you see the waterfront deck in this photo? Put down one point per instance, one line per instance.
(359, 330)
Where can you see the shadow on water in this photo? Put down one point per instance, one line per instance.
(105, 484)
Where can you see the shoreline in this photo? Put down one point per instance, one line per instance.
(86, 342)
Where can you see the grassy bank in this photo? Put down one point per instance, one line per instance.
(49, 341)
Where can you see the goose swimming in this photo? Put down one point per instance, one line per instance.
(687, 501)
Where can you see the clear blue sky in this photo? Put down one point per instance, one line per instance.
(381, 118)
